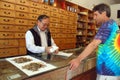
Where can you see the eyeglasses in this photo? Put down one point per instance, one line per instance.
(45, 24)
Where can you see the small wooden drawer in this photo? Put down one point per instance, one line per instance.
(61, 16)
(46, 12)
(54, 14)
(53, 9)
(8, 52)
(64, 17)
(6, 35)
(21, 28)
(8, 43)
(65, 21)
(61, 11)
(74, 27)
(73, 31)
(21, 15)
(54, 35)
(6, 5)
(61, 26)
(21, 8)
(19, 35)
(31, 22)
(22, 51)
(46, 7)
(22, 2)
(12, 1)
(52, 30)
(54, 20)
(34, 10)
(5, 20)
(33, 16)
(61, 21)
(8, 13)
(35, 5)
(22, 42)
(54, 25)
(21, 22)
(7, 28)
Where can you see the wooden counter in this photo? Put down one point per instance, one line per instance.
(8, 71)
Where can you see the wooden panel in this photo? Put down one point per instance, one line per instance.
(21, 15)
(22, 42)
(5, 20)
(54, 14)
(7, 28)
(8, 13)
(22, 2)
(21, 28)
(46, 7)
(12, 1)
(21, 8)
(31, 22)
(34, 4)
(54, 20)
(8, 52)
(34, 10)
(21, 22)
(22, 50)
(46, 12)
(6, 5)
(19, 35)
(53, 9)
(8, 43)
(33, 16)
(6, 35)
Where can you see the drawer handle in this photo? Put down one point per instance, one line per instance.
(34, 16)
(4, 27)
(22, 15)
(6, 20)
(34, 10)
(22, 1)
(22, 8)
(6, 43)
(20, 28)
(45, 7)
(6, 12)
(34, 4)
(21, 21)
(5, 34)
(6, 5)
(33, 22)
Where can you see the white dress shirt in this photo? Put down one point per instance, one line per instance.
(30, 44)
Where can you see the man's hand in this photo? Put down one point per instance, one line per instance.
(47, 49)
(56, 51)
(74, 63)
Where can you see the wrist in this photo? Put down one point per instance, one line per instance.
(79, 59)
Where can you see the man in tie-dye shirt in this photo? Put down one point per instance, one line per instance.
(107, 40)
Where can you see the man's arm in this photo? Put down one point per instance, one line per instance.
(31, 45)
(87, 51)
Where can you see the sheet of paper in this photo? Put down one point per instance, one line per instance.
(34, 60)
(64, 54)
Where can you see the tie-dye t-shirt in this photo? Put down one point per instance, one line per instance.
(108, 54)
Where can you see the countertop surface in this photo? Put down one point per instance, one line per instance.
(9, 71)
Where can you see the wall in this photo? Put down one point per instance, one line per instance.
(114, 9)
(89, 4)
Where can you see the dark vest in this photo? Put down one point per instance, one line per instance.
(37, 40)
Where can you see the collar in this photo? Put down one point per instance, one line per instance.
(40, 30)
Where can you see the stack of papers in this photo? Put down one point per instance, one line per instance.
(64, 54)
